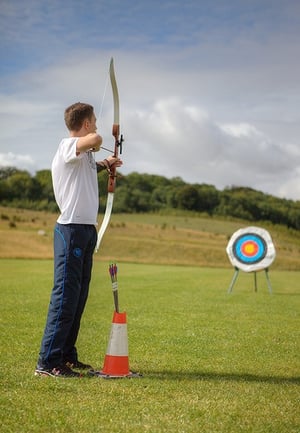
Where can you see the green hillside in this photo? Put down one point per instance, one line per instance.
(185, 239)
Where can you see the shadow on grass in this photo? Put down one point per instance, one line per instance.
(229, 377)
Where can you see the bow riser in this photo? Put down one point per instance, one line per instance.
(112, 181)
(113, 171)
(116, 133)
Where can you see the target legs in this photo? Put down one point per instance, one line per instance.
(268, 281)
(255, 282)
(236, 273)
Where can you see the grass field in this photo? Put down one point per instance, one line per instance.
(211, 361)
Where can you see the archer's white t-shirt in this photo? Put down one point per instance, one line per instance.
(75, 184)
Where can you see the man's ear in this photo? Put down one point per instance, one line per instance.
(86, 123)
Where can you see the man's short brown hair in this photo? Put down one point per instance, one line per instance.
(76, 113)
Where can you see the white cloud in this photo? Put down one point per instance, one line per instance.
(239, 130)
(174, 139)
(10, 159)
(291, 187)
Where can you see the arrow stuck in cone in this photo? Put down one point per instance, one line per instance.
(113, 270)
(116, 361)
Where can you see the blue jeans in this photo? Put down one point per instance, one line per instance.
(74, 246)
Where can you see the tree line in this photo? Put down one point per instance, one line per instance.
(136, 193)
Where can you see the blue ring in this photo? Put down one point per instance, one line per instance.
(237, 248)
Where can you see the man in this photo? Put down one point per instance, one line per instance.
(74, 176)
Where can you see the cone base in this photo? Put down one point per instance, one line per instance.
(116, 366)
(103, 375)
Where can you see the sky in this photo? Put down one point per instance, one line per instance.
(209, 89)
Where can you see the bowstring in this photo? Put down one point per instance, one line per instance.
(101, 108)
(102, 105)
(103, 97)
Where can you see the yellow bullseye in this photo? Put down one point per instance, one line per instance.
(249, 248)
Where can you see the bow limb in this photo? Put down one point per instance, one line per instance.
(118, 144)
(115, 128)
(106, 218)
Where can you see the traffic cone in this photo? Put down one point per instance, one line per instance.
(116, 361)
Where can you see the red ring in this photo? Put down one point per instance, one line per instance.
(249, 248)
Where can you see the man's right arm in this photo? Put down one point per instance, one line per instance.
(90, 141)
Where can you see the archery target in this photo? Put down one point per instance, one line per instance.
(251, 249)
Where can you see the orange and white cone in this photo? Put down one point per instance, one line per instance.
(116, 361)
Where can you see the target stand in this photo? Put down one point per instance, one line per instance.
(255, 280)
(251, 249)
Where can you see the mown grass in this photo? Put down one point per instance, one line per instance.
(211, 362)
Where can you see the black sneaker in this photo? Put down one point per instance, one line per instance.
(60, 371)
(79, 365)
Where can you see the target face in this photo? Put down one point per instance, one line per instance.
(251, 249)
